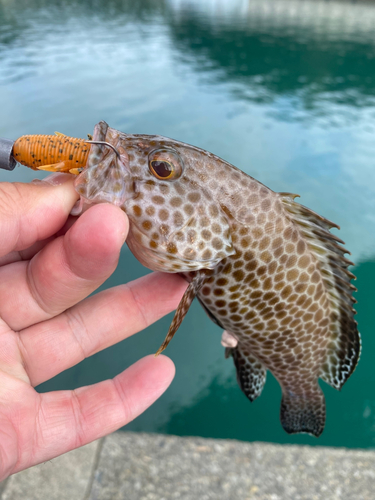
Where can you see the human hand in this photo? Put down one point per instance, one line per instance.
(48, 266)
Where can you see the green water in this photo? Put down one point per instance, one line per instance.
(285, 90)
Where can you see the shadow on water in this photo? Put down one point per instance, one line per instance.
(283, 89)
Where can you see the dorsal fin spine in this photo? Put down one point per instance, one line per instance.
(344, 349)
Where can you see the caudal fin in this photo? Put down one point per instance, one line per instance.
(300, 413)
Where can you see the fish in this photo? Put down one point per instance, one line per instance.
(266, 269)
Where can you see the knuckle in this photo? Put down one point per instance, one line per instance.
(10, 198)
(135, 304)
(78, 329)
(78, 416)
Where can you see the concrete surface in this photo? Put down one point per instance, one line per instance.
(127, 466)
(64, 478)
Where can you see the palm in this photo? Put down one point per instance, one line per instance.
(48, 325)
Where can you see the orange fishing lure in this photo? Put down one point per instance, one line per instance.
(56, 153)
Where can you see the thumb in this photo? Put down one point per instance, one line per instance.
(33, 212)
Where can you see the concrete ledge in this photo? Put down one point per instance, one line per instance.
(155, 467)
(68, 477)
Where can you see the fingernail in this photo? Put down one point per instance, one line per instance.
(57, 178)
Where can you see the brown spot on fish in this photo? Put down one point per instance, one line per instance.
(171, 248)
(147, 225)
(194, 197)
(222, 282)
(291, 261)
(266, 257)
(150, 211)
(164, 229)
(137, 211)
(216, 228)
(163, 214)
(220, 303)
(245, 242)
(217, 243)
(190, 253)
(180, 190)
(292, 275)
(238, 263)
(175, 202)
(238, 275)
(206, 234)
(207, 254)
(304, 261)
(158, 200)
(188, 209)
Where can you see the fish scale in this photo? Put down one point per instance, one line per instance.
(265, 268)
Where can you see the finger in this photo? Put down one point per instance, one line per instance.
(32, 212)
(69, 419)
(65, 271)
(29, 252)
(96, 323)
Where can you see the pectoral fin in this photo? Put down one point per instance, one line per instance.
(251, 374)
(194, 286)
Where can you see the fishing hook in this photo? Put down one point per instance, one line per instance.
(103, 143)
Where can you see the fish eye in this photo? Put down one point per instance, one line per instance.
(165, 164)
(162, 169)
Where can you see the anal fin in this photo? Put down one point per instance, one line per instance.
(194, 286)
(251, 374)
(302, 413)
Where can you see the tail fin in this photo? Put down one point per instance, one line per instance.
(300, 413)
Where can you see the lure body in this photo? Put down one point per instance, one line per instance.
(265, 268)
(58, 153)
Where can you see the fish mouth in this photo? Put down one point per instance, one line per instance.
(107, 178)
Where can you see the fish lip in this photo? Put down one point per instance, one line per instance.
(124, 157)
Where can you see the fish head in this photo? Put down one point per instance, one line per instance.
(176, 224)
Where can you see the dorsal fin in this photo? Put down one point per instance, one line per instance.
(345, 345)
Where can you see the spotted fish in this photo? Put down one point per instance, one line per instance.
(265, 268)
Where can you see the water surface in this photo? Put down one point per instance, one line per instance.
(283, 89)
